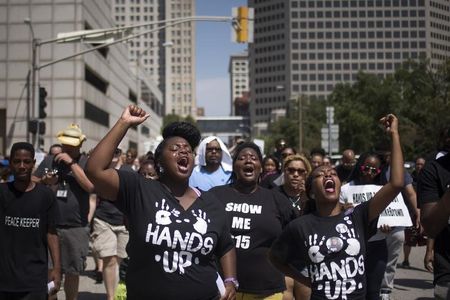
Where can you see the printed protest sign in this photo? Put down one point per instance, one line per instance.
(396, 214)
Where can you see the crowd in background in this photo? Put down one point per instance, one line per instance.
(172, 222)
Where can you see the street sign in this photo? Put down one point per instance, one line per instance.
(332, 130)
(330, 114)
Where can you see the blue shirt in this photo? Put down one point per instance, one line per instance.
(203, 180)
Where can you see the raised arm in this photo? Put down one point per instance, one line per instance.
(391, 189)
(104, 178)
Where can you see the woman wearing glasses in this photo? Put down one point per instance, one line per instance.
(368, 171)
(256, 216)
(295, 170)
(326, 250)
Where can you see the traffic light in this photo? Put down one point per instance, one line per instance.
(243, 24)
(42, 103)
(36, 126)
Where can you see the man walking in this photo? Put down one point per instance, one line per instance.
(28, 213)
(64, 173)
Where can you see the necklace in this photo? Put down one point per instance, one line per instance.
(294, 200)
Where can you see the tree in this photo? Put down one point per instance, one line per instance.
(416, 93)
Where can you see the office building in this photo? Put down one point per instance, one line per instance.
(168, 55)
(307, 47)
(239, 84)
(91, 89)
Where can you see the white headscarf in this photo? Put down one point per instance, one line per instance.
(227, 161)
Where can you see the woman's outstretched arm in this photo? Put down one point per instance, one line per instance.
(391, 189)
(104, 178)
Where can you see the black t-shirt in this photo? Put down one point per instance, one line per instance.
(330, 251)
(295, 202)
(172, 251)
(73, 201)
(25, 220)
(256, 220)
(107, 211)
(434, 180)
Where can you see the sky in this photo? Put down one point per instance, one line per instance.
(214, 47)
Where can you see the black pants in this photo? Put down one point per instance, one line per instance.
(376, 260)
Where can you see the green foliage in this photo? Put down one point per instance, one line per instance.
(288, 127)
(417, 94)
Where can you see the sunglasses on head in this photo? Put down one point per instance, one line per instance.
(370, 169)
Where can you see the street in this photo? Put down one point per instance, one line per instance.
(414, 283)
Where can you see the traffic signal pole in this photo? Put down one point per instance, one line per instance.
(88, 35)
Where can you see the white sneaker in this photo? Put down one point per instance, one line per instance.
(385, 296)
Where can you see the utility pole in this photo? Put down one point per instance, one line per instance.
(300, 123)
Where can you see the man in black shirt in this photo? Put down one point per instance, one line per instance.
(64, 173)
(434, 199)
(28, 212)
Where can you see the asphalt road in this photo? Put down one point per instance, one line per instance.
(414, 283)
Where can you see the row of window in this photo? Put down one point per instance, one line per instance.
(348, 55)
(440, 26)
(360, 3)
(269, 28)
(440, 6)
(270, 48)
(358, 14)
(269, 18)
(355, 66)
(358, 34)
(359, 24)
(266, 79)
(265, 100)
(268, 8)
(445, 17)
(440, 47)
(359, 45)
(270, 69)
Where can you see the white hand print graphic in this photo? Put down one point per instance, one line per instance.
(314, 248)
(201, 225)
(162, 216)
(353, 244)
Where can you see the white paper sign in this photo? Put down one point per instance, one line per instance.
(396, 214)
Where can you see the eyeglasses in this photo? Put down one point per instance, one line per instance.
(370, 169)
(212, 149)
(286, 154)
(292, 171)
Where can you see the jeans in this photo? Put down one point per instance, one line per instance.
(375, 263)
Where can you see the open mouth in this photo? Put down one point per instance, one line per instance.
(248, 170)
(329, 186)
(183, 164)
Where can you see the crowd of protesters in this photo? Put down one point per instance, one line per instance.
(199, 220)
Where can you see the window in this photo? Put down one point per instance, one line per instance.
(95, 80)
(96, 114)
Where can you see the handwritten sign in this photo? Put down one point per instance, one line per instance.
(396, 214)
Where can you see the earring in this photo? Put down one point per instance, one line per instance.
(161, 170)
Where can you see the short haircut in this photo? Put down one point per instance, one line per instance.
(317, 151)
(21, 146)
(251, 145)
